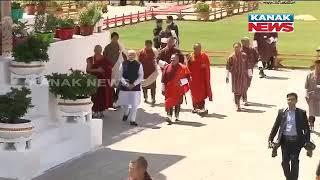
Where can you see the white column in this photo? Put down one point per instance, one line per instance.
(6, 28)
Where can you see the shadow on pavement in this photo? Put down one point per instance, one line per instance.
(261, 105)
(276, 78)
(189, 123)
(214, 115)
(316, 133)
(114, 129)
(108, 164)
(181, 110)
(251, 110)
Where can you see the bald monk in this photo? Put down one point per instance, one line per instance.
(200, 86)
(175, 78)
(164, 56)
(238, 66)
(266, 44)
(253, 58)
(98, 66)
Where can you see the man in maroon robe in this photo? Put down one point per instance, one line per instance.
(200, 86)
(98, 66)
(238, 66)
(253, 58)
(112, 53)
(266, 44)
(147, 58)
(165, 54)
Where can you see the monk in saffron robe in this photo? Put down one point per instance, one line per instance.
(200, 86)
(114, 53)
(164, 56)
(253, 58)
(175, 78)
(98, 66)
(312, 86)
(147, 58)
(238, 66)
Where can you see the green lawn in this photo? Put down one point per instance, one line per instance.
(220, 35)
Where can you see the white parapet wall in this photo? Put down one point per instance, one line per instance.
(73, 53)
(53, 142)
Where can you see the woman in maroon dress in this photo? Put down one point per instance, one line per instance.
(98, 66)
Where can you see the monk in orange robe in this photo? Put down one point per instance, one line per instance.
(175, 78)
(238, 66)
(200, 86)
(98, 66)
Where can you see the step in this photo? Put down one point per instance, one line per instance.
(51, 147)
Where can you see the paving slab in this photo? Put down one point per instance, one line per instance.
(226, 145)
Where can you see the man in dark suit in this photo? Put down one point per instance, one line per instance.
(173, 26)
(294, 132)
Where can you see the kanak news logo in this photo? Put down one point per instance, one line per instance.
(271, 22)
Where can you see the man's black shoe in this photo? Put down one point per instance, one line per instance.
(132, 123)
(125, 118)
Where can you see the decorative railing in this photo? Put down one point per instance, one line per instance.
(216, 14)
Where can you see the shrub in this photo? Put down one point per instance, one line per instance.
(14, 105)
(32, 49)
(66, 23)
(45, 23)
(90, 15)
(202, 7)
(72, 86)
(15, 5)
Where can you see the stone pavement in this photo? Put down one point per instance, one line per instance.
(226, 145)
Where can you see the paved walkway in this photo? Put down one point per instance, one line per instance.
(226, 145)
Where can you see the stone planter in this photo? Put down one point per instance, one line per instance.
(86, 30)
(203, 15)
(24, 69)
(15, 131)
(77, 106)
(65, 33)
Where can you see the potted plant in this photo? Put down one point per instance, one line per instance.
(73, 90)
(44, 26)
(30, 56)
(13, 106)
(65, 29)
(20, 32)
(30, 6)
(203, 10)
(88, 18)
(16, 11)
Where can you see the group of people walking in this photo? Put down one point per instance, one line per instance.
(130, 73)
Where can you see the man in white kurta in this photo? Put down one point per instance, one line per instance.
(131, 76)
